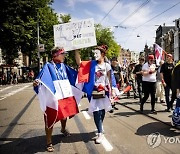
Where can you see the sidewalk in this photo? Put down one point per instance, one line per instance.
(161, 116)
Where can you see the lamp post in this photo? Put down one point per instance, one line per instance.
(40, 47)
(38, 42)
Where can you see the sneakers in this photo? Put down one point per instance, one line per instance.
(162, 101)
(153, 112)
(167, 110)
(135, 96)
(96, 131)
(100, 138)
(111, 111)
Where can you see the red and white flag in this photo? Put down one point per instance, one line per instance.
(159, 54)
(120, 93)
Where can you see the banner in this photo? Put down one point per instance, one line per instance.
(159, 54)
(75, 35)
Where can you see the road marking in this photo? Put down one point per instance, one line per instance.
(86, 115)
(14, 92)
(5, 88)
(106, 145)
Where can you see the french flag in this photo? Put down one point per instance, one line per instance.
(86, 79)
(57, 93)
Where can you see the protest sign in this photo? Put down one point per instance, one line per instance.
(75, 35)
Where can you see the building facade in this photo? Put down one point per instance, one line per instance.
(126, 56)
(177, 40)
(165, 38)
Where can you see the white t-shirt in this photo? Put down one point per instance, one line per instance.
(101, 74)
(149, 77)
(100, 78)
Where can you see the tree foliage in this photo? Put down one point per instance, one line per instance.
(105, 36)
(18, 30)
(18, 26)
(65, 18)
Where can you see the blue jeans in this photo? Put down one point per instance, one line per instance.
(98, 119)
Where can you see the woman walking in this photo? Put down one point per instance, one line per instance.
(98, 88)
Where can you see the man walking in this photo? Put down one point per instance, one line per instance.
(166, 75)
(149, 82)
(138, 75)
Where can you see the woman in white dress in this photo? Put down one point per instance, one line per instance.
(100, 80)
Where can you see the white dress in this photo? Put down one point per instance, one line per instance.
(100, 78)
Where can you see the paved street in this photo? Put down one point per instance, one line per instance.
(126, 129)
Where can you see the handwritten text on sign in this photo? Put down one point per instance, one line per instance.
(75, 35)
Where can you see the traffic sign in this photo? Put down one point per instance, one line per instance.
(41, 48)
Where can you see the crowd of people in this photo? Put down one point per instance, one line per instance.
(14, 78)
(147, 78)
(96, 81)
(9, 78)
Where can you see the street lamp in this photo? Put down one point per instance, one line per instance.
(38, 41)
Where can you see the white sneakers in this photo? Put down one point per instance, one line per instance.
(100, 138)
(96, 131)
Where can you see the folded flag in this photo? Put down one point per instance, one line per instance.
(125, 90)
(57, 93)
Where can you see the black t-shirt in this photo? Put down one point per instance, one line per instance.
(166, 69)
(116, 71)
(138, 68)
(176, 77)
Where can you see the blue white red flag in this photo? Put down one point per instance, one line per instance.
(86, 79)
(57, 93)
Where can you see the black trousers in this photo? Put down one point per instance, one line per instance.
(173, 97)
(139, 88)
(149, 88)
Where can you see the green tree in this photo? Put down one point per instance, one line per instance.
(18, 26)
(105, 36)
(47, 18)
(65, 18)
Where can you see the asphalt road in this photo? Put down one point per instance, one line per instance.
(127, 131)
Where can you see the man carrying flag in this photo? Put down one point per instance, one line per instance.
(55, 86)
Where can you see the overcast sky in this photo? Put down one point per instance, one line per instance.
(132, 15)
